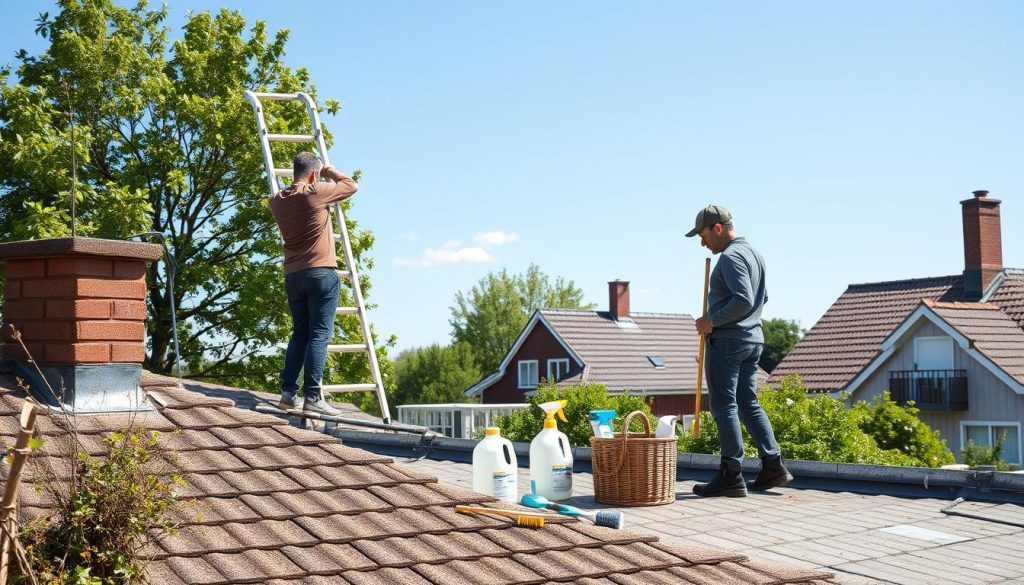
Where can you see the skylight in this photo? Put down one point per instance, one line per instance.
(656, 361)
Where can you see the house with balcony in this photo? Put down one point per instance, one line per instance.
(952, 344)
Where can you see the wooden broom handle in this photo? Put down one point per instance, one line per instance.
(695, 429)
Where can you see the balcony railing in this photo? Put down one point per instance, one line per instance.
(930, 389)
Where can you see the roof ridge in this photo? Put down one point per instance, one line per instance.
(904, 281)
(961, 305)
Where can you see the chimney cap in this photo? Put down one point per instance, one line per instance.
(980, 193)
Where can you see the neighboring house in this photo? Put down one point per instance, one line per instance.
(650, 353)
(953, 344)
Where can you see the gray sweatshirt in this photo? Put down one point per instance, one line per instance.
(737, 293)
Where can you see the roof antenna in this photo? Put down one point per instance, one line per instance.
(74, 164)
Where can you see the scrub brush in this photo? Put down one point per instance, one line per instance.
(528, 520)
(608, 518)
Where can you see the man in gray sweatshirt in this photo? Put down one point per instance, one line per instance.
(732, 329)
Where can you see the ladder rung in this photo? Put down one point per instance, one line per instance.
(283, 172)
(346, 348)
(346, 311)
(328, 388)
(345, 274)
(291, 137)
(276, 96)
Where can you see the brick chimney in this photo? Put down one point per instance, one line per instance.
(983, 243)
(80, 306)
(618, 300)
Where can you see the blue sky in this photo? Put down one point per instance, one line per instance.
(585, 136)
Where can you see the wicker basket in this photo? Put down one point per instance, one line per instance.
(634, 469)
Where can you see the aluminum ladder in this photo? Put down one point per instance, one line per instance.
(274, 175)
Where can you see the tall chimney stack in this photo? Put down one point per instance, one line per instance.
(618, 299)
(983, 243)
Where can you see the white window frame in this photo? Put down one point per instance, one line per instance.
(536, 373)
(992, 423)
(560, 370)
(949, 342)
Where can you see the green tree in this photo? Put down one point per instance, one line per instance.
(492, 314)
(165, 142)
(780, 337)
(523, 425)
(434, 374)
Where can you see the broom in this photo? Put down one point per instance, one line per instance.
(695, 430)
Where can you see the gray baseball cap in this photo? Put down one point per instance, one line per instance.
(709, 216)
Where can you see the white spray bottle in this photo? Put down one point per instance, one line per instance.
(551, 456)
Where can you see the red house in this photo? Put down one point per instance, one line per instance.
(650, 353)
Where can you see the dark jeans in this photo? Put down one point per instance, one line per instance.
(312, 299)
(731, 369)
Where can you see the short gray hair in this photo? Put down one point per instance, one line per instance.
(305, 163)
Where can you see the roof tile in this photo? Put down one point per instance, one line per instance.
(329, 559)
(485, 571)
(253, 565)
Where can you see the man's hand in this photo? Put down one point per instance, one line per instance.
(704, 326)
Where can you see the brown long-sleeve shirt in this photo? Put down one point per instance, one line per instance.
(302, 214)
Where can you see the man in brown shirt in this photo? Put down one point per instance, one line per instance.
(302, 212)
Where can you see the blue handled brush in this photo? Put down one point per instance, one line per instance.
(609, 518)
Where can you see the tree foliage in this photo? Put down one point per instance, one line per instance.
(434, 374)
(523, 425)
(821, 428)
(492, 314)
(780, 337)
(165, 142)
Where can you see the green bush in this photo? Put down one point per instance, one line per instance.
(113, 507)
(895, 427)
(975, 455)
(523, 425)
(820, 428)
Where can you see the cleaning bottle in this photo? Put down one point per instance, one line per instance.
(495, 471)
(601, 420)
(551, 456)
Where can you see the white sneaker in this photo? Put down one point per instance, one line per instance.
(320, 407)
(287, 403)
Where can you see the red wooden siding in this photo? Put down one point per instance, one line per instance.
(539, 345)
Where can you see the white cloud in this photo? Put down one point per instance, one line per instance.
(451, 252)
(495, 238)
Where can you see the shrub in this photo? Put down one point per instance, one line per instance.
(523, 425)
(975, 455)
(895, 427)
(821, 428)
(104, 514)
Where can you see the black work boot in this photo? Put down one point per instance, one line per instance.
(773, 474)
(727, 484)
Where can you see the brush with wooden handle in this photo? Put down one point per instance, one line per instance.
(522, 519)
(695, 430)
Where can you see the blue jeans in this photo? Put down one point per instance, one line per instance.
(731, 369)
(312, 299)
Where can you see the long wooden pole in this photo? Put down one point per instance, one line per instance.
(8, 505)
(695, 429)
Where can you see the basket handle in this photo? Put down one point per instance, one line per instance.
(625, 437)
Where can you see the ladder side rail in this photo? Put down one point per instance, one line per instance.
(268, 157)
(350, 263)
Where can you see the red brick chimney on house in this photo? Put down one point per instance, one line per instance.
(983, 243)
(618, 299)
(80, 306)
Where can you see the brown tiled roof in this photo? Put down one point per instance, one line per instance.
(991, 331)
(850, 334)
(276, 504)
(616, 356)
(1010, 295)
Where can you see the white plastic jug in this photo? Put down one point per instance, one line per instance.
(495, 470)
(551, 457)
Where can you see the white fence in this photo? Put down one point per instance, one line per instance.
(461, 421)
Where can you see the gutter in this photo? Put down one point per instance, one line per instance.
(978, 485)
